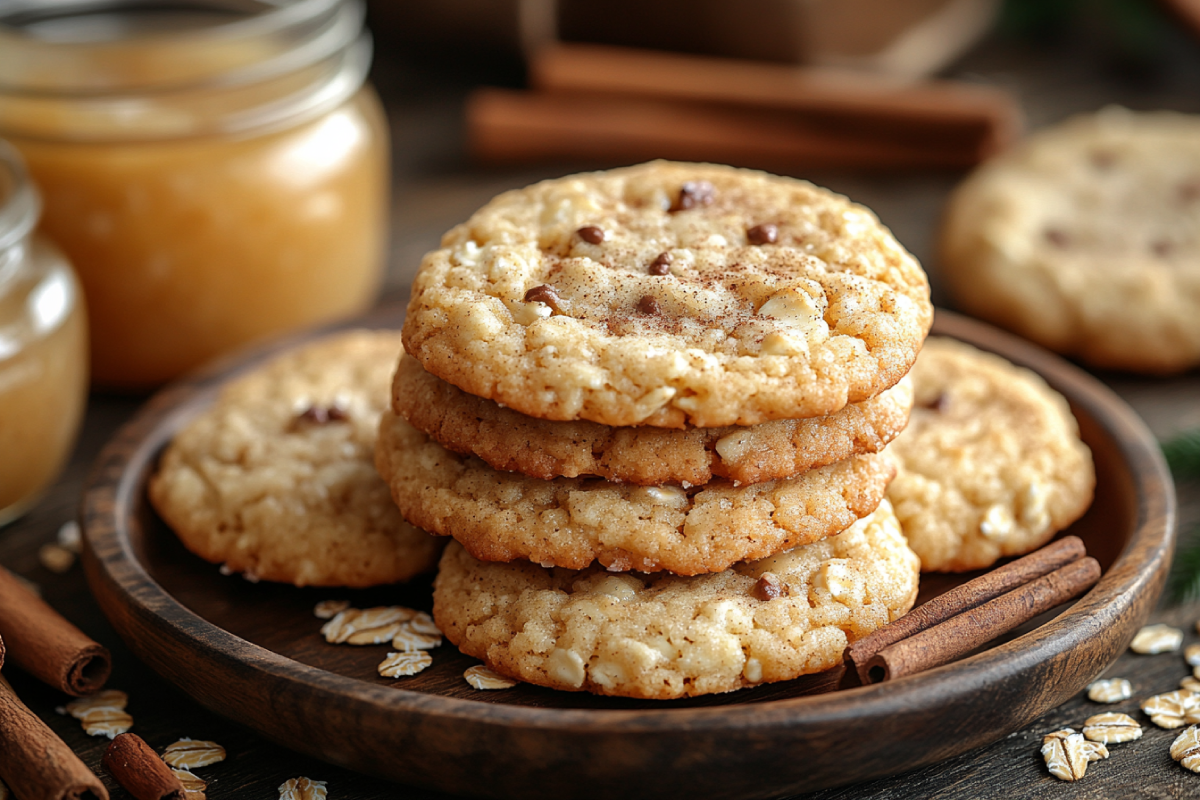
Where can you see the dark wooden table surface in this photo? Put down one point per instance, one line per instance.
(435, 186)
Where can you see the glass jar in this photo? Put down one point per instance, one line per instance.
(217, 170)
(43, 347)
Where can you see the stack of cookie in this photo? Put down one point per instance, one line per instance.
(650, 405)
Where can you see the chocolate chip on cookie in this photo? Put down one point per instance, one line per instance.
(544, 294)
(648, 305)
(661, 265)
(1057, 237)
(1189, 190)
(769, 587)
(319, 415)
(591, 234)
(940, 402)
(694, 194)
(763, 234)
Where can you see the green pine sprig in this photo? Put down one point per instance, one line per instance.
(1183, 454)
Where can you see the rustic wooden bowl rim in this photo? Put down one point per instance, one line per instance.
(107, 504)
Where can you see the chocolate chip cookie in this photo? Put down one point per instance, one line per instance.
(670, 295)
(276, 479)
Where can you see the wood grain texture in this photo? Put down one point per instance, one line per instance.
(252, 652)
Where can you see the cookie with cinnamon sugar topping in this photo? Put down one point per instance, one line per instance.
(640, 296)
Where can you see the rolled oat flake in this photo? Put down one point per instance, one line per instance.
(1154, 639)
(1111, 728)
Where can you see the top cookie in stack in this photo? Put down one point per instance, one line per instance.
(670, 295)
(686, 366)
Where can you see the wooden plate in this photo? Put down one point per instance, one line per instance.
(253, 652)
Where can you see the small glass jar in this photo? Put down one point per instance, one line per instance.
(216, 170)
(43, 347)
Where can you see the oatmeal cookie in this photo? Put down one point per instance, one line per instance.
(662, 636)
(648, 456)
(991, 464)
(1086, 239)
(669, 295)
(276, 478)
(571, 522)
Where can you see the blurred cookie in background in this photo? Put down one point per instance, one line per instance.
(1086, 239)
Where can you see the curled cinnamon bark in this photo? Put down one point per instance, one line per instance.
(961, 634)
(34, 762)
(139, 770)
(45, 645)
(962, 598)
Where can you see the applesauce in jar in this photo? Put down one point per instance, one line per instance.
(43, 348)
(216, 172)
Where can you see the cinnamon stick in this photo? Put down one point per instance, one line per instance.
(139, 770)
(963, 633)
(41, 642)
(932, 107)
(510, 126)
(962, 598)
(34, 762)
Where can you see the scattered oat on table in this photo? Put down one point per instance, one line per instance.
(423, 623)
(1154, 639)
(56, 558)
(1172, 709)
(1111, 728)
(366, 626)
(481, 677)
(193, 753)
(1191, 654)
(302, 789)
(1186, 749)
(193, 785)
(102, 713)
(109, 698)
(110, 722)
(328, 609)
(1110, 690)
(69, 537)
(405, 663)
(409, 639)
(1067, 754)
(1190, 683)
